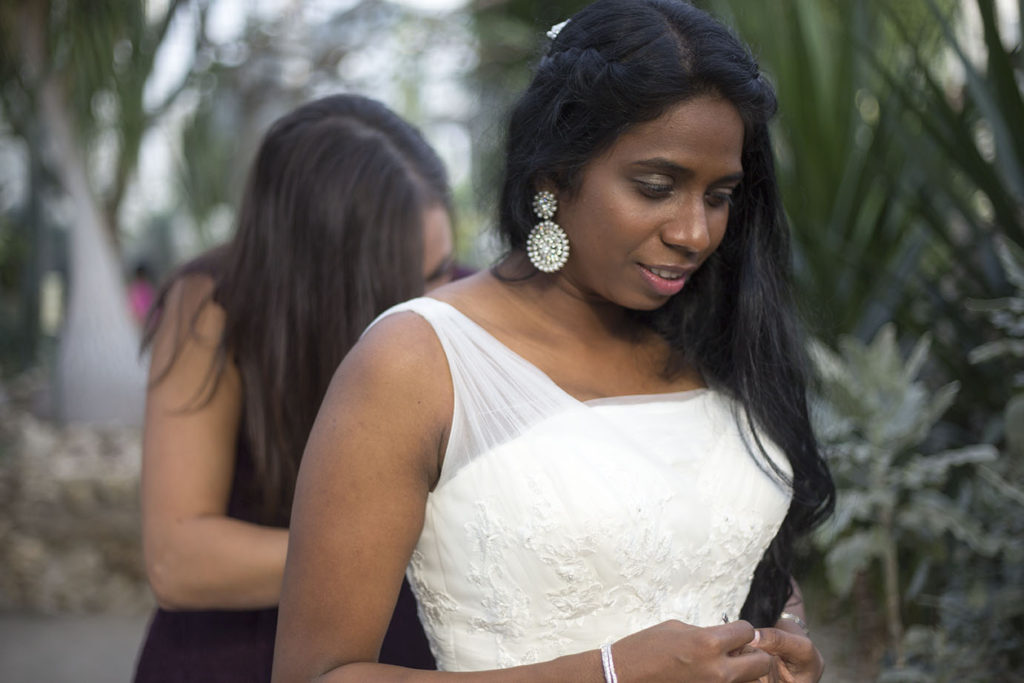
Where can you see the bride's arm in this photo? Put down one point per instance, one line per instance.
(372, 458)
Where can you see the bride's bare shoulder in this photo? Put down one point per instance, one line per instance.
(399, 345)
(481, 296)
(391, 398)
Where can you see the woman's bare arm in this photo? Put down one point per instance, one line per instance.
(371, 459)
(197, 557)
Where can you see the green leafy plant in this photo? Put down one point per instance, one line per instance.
(974, 619)
(1006, 314)
(874, 416)
(960, 120)
(979, 612)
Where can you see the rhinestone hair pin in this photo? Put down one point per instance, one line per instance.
(556, 29)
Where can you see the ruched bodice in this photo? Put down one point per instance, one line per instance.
(558, 525)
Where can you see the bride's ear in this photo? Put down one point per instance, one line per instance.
(546, 183)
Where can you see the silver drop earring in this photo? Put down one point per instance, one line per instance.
(547, 245)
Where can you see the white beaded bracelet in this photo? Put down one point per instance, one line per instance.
(608, 664)
(797, 620)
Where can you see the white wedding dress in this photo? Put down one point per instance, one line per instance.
(558, 525)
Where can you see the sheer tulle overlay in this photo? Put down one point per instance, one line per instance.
(558, 525)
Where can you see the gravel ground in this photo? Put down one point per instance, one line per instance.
(69, 648)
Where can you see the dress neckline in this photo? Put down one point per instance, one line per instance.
(617, 399)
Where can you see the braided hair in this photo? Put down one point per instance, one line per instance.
(618, 63)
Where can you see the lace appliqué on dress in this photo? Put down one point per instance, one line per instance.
(623, 568)
(558, 526)
(741, 542)
(434, 607)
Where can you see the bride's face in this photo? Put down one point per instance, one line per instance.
(650, 210)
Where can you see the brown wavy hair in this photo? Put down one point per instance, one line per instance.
(329, 235)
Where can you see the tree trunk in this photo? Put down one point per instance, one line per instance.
(99, 377)
(891, 582)
(38, 239)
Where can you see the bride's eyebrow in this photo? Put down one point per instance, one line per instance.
(672, 168)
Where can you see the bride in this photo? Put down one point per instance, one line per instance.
(593, 459)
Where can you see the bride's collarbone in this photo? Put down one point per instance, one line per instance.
(585, 364)
(589, 371)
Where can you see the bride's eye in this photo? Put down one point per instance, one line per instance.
(655, 187)
(717, 198)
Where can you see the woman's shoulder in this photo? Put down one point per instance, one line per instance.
(192, 288)
(185, 339)
(400, 341)
(397, 368)
(189, 303)
(190, 296)
(404, 322)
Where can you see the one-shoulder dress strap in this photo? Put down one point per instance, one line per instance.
(497, 393)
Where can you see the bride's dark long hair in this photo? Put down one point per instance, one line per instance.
(621, 62)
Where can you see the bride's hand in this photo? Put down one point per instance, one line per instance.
(794, 657)
(674, 651)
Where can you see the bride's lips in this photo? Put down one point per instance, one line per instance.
(665, 280)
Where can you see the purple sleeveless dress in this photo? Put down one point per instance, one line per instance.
(230, 646)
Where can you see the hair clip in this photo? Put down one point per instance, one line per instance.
(556, 29)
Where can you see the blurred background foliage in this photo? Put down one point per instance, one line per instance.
(900, 147)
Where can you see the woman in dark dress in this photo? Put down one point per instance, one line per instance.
(346, 212)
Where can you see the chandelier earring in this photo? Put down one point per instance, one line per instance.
(547, 245)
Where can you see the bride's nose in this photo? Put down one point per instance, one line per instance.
(688, 228)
